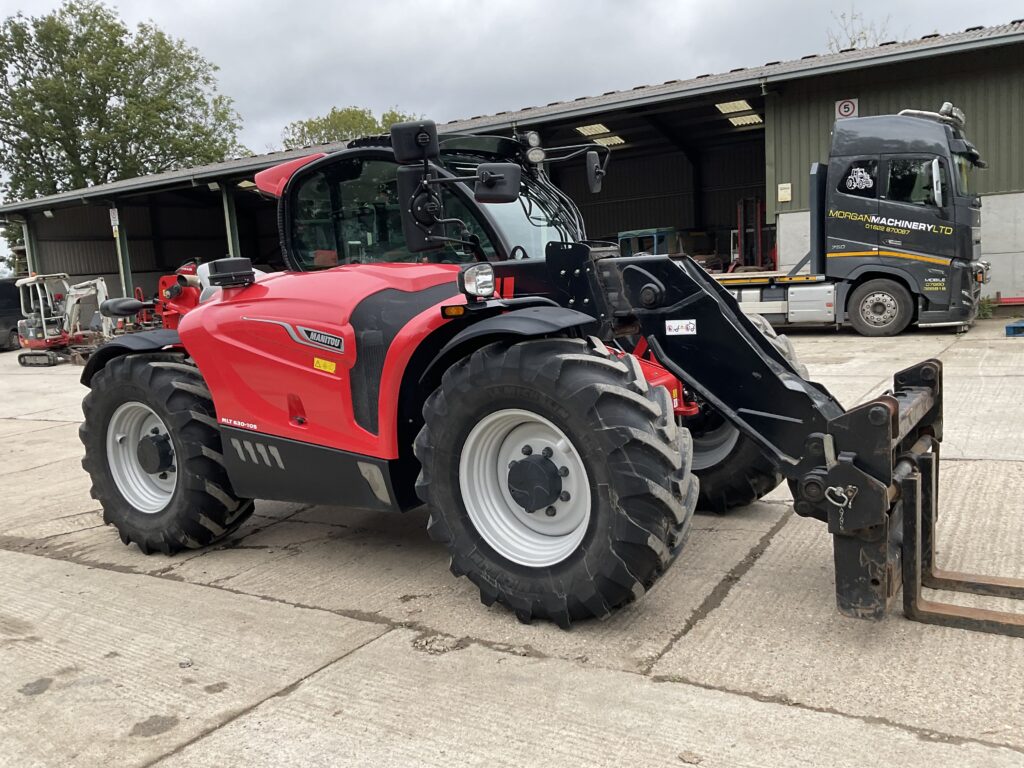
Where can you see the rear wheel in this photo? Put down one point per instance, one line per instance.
(13, 342)
(733, 471)
(555, 477)
(153, 452)
(880, 308)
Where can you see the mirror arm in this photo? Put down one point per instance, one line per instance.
(577, 150)
(463, 179)
(478, 250)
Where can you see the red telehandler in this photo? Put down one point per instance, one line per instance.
(446, 335)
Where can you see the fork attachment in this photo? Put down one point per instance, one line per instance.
(918, 497)
(870, 473)
(884, 527)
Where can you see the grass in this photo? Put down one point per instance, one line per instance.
(986, 308)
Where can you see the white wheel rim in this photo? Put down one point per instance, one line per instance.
(879, 309)
(533, 539)
(147, 492)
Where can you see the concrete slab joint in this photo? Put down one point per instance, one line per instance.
(327, 635)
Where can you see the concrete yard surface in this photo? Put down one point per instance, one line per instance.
(333, 636)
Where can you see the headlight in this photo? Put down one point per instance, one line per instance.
(532, 138)
(477, 280)
(536, 155)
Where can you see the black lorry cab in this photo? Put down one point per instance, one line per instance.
(895, 231)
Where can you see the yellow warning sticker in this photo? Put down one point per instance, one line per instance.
(324, 365)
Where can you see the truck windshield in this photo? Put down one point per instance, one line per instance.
(963, 174)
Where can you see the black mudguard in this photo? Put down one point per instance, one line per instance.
(525, 323)
(133, 343)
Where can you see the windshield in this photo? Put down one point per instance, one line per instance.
(963, 174)
(534, 221)
(542, 214)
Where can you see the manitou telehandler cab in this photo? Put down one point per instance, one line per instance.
(895, 231)
(446, 335)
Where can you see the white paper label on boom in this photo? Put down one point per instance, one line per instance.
(680, 327)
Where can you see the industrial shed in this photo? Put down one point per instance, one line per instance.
(688, 153)
(716, 165)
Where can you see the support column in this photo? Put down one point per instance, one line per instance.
(230, 220)
(124, 264)
(31, 254)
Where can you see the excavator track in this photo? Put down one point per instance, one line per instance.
(39, 359)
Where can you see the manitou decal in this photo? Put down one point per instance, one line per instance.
(327, 340)
(308, 336)
(240, 424)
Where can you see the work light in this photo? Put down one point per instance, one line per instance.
(536, 155)
(477, 281)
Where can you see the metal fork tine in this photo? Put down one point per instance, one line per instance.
(918, 496)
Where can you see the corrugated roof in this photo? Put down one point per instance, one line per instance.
(806, 66)
(241, 167)
(774, 71)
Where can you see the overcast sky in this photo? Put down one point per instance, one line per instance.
(448, 59)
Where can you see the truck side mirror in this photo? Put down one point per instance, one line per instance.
(595, 172)
(415, 141)
(937, 182)
(421, 210)
(497, 183)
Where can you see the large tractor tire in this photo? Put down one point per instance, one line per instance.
(732, 469)
(555, 477)
(153, 451)
(880, 308)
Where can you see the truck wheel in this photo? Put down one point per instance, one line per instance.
(153, 451)
(732, 469)
(12, 341)
(555, 477)
(880, 308)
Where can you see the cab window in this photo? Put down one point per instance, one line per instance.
(349, 213)
(910, 181)
(860, 179)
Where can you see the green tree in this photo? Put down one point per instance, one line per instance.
(340, 125)
(84, 100)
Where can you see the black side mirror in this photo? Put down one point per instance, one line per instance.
(497, 183)
(422, 211)
(415, 141)
(595, 172)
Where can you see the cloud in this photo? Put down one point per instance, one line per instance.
(450, 59)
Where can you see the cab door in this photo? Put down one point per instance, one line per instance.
(915, 222)
(851, 235)
(918, 232)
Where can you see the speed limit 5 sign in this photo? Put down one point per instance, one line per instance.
(846, 108)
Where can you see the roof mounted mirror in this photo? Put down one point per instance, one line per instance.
(497, 183)
(415, 142)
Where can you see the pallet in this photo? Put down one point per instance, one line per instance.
(1016, 328)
